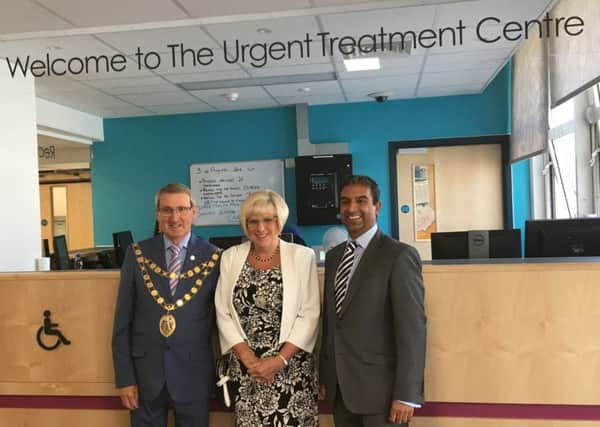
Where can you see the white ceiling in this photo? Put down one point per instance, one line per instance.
(76, 28)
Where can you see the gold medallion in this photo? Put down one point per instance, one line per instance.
(167, 325)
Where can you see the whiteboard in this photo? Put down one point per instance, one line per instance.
(220, 188)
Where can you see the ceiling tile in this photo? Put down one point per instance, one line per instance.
(235, 7)
(471, 12)
(206, 76)
(281, 30)
(114, 12)
(395, 94)
(477, 78)
(188, 64)
(474, 56)
(57, 47)
(295, 89)
(216, 96)
(286, 71)
(357, 24)
(447, 70)
(471, 43)
(159, 40)
(20, 16)
(125, 82)
(390, 66)
(369, 85)
(466, 61)
(126, 90)
(159, 98)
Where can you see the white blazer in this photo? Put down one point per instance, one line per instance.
(301, 300)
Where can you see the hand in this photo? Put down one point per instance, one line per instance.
(400, 413)
(249, 360)
(265, 369)
(129, 396)
(322, 392)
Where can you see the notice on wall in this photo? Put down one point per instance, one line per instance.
(423, 181)
(220, 188)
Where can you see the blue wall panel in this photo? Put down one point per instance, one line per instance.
(141, 154)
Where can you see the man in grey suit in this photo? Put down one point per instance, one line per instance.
(374, 324)
(164, 319)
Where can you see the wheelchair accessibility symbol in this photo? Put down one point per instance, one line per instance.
(50, 330)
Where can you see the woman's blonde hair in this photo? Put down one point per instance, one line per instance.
(258, 201)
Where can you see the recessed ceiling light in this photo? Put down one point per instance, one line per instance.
(304, 89)
(263, 30)
(232, 96)
(362, 64)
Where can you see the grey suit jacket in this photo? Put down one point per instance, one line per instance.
(374, 350)
(141, 355)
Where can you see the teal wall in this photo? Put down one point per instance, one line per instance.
(141, 154)
(521, 196)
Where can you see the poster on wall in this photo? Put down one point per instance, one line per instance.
(423, 184)
(220, 188)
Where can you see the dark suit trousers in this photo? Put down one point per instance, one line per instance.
(153, 413)
(344, 418)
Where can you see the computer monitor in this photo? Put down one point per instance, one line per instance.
(450, 245)
(288, 237)
(45, 248)
(225, 242)
(562, 237)
(505, 243)
(61, 253)
(121, 241)
(476, 244)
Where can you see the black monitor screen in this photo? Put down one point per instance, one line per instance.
(61, 253)
(505, 243)
(562, 237)
(450, 245)
(225, 242)
(121, 241)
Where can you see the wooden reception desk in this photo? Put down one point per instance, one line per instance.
(508, 345)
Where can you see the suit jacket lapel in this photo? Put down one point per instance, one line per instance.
(362, 270)
(195, 254)
(156, 252)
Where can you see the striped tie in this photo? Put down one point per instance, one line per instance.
(342, 276)
(174, 267)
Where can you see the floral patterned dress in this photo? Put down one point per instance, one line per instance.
(291, 400)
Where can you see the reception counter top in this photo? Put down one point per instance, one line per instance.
(514, 334)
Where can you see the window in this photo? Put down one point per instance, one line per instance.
(565, 181)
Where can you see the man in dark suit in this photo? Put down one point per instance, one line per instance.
(164, 319)
(374, 324)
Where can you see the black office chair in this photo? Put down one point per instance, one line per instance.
(121, 240)
(61, 253)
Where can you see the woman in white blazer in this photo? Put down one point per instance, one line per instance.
(268, 305)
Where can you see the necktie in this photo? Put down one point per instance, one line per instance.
(174, 267)
(342, 276)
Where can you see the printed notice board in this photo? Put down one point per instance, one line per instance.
(220, 188)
